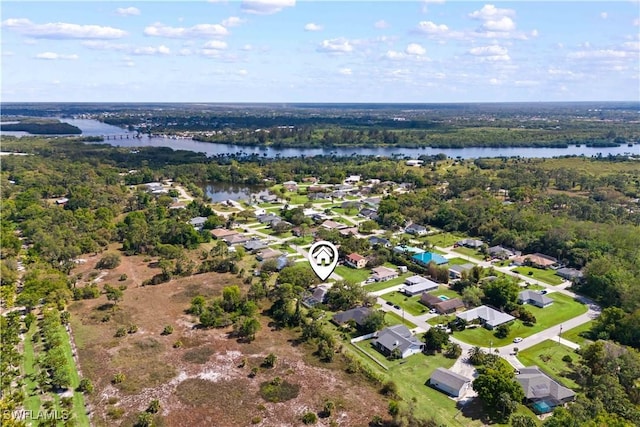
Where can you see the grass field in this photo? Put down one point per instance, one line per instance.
(443, 290)
(574, 335)
(445, 239)
(548, 355)
(547, 276)
(563, 308)
(352, 274)
(469, 252)
(411, 305)
(459, 261)
(393, 319)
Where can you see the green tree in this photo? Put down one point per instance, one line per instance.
(435, 339)
(373, 322)
(499, 391)
(248, 329)
(113, 294)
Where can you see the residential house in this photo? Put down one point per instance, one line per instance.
(376, 240)
(282, 261)
(534, 298)
(351, 205)
(290, 186)
(268, 253)
(318, 196)
(332, 225)
(221, 233)
(372, 202)
(382, 274)
(254, 245)
(155, 188)
(356, 260)
(349, 231)
(357, 315)
(455, 271)
(415, 285)
(198, 222)
(500, 252)
(319, 295)
(490, 318)
(369, 213)
(62, 201)
(569, 273)
(353, 179)
(542, 392)
(269, 198)
(470, 243)
(398, 340)
(311, 179)
(426, 257)
(416, 230)
(538, 260)
(268, 218)
(414, 163)
(236, 239)
(407, 250)
(447, 306)
(449, 382)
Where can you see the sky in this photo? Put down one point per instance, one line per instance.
(319, 51)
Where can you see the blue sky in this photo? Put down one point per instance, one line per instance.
(322, 51)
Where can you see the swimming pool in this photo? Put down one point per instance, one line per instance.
(541, 407)
(443, 297)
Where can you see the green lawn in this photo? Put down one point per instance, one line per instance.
(352, 274)
(574, 335)
(32, 401)
(469, 252)
(411, 376)
(445, 239)
(301, 241)
(378, 286)
(548, 356)
(411, 305)
(459, 261)
(547, 276)
(563, 309)
(393, 319)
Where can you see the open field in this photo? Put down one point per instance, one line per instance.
(378, 286)
(445, 239)
(563, 308)
(443, 290)
(548, 356)
(574, 335)
(205, 370)
(459, 261)
(547, 276)
(469, 252)
(393, 319)
(411, 305)
(352, 274)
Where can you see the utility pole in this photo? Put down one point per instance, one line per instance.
(560, 334)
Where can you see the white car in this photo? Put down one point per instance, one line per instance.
(517, 340)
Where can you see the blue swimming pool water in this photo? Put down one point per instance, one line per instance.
(443, 297)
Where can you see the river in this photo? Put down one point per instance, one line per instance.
(96, 128)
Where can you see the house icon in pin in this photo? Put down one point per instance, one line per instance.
(323, 256)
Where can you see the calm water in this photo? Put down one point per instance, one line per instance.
(96, 128)
(219, 191)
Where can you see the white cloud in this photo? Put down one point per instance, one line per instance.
(265, 7)
(636, 22)
(200, 30)
(381, 24)
(598, 54)
(7, 53)
(415, 49)
(215, 44)
(534, 33)
(394, 55)
(313, 27)
(345, 71)
(604, 15)
(502, 24)
(632, 46)
(54, 56)
(104, 45)
(233, 21)
(494, 81)
(339, 45)
(243, 72)
(247, 47)
(526, 83)
(150, 50)
(128, 11)
(491, 53)
(490, 12)
(185, 51)
(62, 30)
(429, 27)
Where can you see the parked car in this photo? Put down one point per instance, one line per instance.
(432, 311)
(517, 340)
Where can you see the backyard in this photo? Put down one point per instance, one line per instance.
(352, 274)
(411, 305)
(378, 286)
(445, 239)
(575, 334)
(469, 252)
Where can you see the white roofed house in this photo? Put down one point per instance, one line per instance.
(398, 340)
(415, 285)
(488, 317)
(382, 274)
(449, 382)
(534, 298)
(198, 222)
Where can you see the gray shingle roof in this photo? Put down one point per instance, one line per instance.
(537, 385)
(397, 336)
(449, 378)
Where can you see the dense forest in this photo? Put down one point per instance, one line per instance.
(41, 127)
(585, 212)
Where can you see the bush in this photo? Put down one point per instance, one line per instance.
(85, 386)
(121, 332)
(154, 406)
(115, 413)
(119, 378)
(256, 420)
(309, 418)
(279, 392)
(177, 344)
(269, 361)
(109, 261)
(389, 388)
(123, 277)
(132, 329)
(567, 359)
(168, 330)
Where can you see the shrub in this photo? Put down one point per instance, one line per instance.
(115, 413)
(309, 418)
(168, 330)
(254, 372)
(177, 344)
(567, 359)
(279, 392)
(85, 386)
(132, 329)
(389, 388)
(256, 420)
(269, 361)
(123, 277)
(121, 332)
(109, 261)
(119, 378)
(154, 406)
